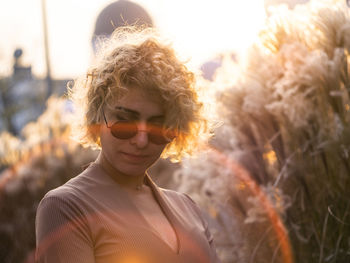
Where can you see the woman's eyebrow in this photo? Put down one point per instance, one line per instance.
(133, 112)
(137, 114)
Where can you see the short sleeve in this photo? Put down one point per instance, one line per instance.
(62, 234)
(208, 234)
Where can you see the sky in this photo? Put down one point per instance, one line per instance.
(199, 29)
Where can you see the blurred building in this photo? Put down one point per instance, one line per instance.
(23, 97)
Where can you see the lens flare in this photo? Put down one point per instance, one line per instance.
(275, 220)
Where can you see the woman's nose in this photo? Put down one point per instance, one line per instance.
(141, 137)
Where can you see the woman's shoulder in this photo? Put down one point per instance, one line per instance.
(63, 193)
(55, 199)
(173, 194)
(70, 191)
(185, 206)
(62, 210)
(66, 203)
(180, 199)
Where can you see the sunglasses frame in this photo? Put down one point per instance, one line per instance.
(151, 136)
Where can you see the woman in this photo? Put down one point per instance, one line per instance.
(138, 103)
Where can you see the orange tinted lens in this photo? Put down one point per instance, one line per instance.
(124, 129)
(156, 135)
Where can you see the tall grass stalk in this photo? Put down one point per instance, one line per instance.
(293, 102)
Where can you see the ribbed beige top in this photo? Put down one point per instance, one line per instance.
(91, 219)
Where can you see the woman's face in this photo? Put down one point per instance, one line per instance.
(135, 155)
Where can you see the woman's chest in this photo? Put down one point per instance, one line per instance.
(130, 239)
(158, 221)
(131, 235)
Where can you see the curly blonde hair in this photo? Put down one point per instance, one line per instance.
(138, 57)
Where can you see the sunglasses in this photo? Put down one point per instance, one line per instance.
(127, 129)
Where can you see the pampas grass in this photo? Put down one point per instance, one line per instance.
(294, 101)
(44, 158)
(278, 164)
(288, 114)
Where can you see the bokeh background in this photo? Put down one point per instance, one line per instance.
(274, 181)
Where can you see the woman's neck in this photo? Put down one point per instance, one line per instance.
(128, 182)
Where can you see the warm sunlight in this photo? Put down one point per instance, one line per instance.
(200, 29)
(233, 145)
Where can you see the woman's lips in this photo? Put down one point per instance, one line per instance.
(135, 157)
